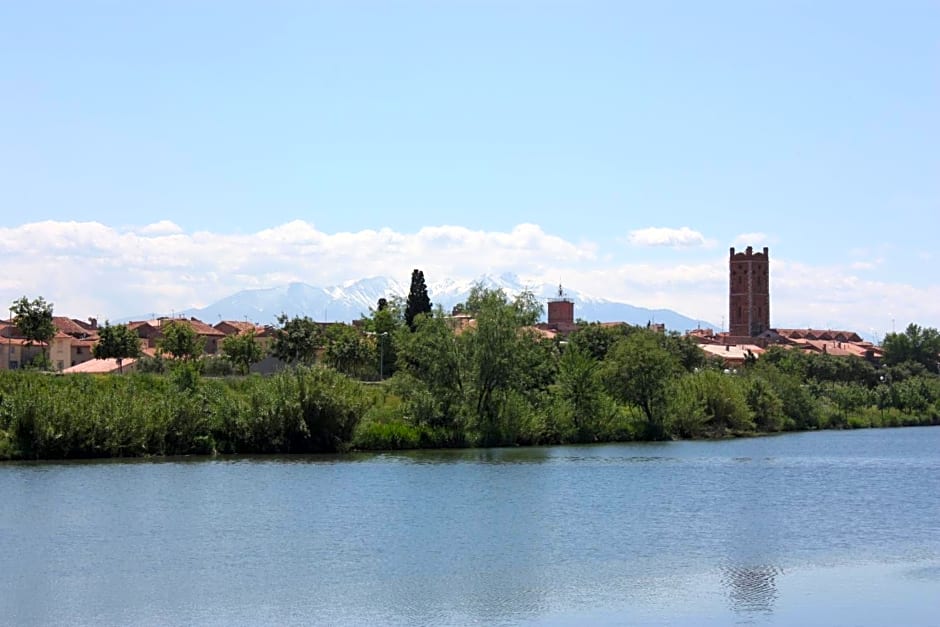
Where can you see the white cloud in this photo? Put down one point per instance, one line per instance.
(163, 227)
(866, 265)
(663, 236)
(90, 269)
(750, 239)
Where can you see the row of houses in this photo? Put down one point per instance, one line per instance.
(72, 347)
(735, 350)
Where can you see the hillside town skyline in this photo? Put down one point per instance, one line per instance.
(749, 334)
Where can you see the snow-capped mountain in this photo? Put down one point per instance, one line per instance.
(354, 299)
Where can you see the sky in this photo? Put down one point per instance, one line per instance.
(159, 156)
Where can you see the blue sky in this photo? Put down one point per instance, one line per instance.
(149, 148)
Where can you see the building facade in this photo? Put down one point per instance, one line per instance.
(749, 298)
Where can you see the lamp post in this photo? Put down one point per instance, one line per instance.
(382, 337)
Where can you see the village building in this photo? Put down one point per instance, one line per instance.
(749, 327)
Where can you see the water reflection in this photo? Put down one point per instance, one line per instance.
(751, 589)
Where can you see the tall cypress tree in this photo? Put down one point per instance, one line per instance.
(418, 301)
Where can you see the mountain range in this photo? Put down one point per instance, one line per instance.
(354, 299)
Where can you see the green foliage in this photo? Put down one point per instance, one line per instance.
(917, 344)
(492, 352)
(296, 340)
(686, 409)
(528, 307)
(709, 403)
(387, 436)
(215, 366)
(351, 353)
(185, 375)
(180, 340)
(597, 339)
(431, 372)
(153, 365)
(384, 323)
(638, 370)
(40, 361)
(765, 404)
(580, 391)
(116, 342)
(496, 382)
(726, 408)
(242, 350)
(685, 349)
(34, 320)
(418, 301)
(305, 410)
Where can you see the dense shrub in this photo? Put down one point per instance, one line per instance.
(51, 417)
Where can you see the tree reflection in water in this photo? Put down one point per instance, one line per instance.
(751, 589)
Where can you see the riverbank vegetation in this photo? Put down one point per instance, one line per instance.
(437, 381)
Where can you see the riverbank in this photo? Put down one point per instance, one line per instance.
(306, 410)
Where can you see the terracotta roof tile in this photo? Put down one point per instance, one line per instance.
(67, 325)
(101, 366)
(199, 327)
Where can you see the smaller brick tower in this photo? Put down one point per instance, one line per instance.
(749, 302)
(561, 309)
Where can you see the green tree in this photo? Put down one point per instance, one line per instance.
(418, 300)
(349, 352)
(725, 402)
(917, 344)
(529, 308)
(431, 372)
(765, 404)
(34, 321)
(493, 351)
(383, 323)
(180, 340)
(297, 340)
(638, 370)
(116, 342)
(242, 349)
(685, 349)
(579, 387)
(801, 408)
(597, 338)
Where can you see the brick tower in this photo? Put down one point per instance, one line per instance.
(749, 303)
(561, 309)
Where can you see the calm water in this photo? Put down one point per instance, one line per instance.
(815, 528)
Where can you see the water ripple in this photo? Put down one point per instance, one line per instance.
(751, 589)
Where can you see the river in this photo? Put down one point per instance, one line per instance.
(828, 528)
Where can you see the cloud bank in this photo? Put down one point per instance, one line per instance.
(661, 236)
(93, 269)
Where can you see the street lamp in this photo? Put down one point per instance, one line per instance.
(382, 335)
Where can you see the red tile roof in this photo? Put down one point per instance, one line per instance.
(198, 326)
(240, 325)
(67, 325)
(101, 366)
